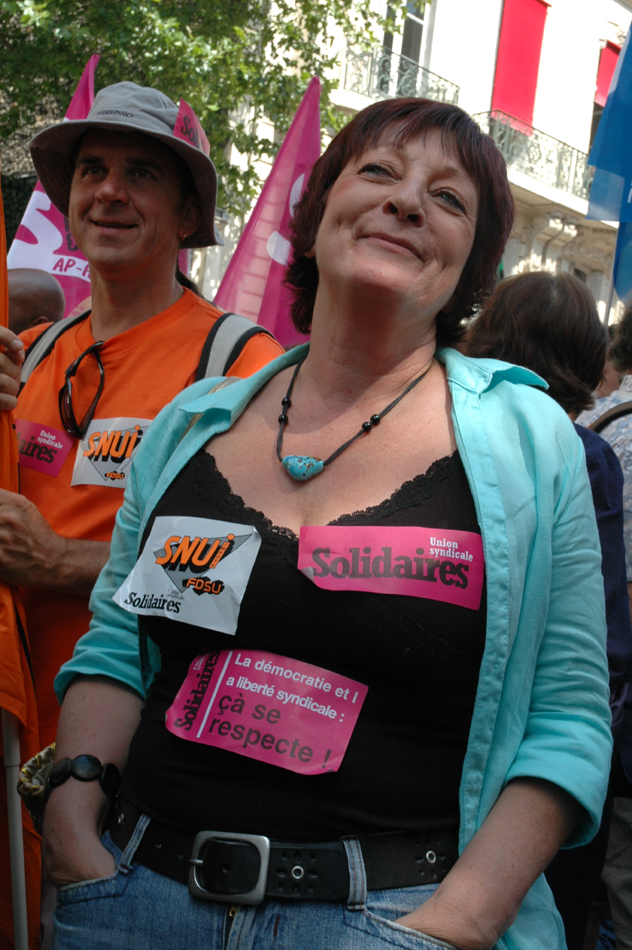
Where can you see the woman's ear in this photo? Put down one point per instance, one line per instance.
(311, 253)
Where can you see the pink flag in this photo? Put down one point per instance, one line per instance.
(253, 283)
(43, 239)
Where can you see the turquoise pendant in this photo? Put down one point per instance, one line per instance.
(302, 467)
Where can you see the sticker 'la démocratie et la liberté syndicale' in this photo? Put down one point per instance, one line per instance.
(277, 710)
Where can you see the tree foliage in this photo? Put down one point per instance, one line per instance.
(234, 61)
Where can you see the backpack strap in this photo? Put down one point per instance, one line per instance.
(623, 409)
(42, 346)
(226, 340)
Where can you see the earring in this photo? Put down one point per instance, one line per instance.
(182, 235)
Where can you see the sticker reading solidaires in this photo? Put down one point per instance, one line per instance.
(433, 563)
(193, 570)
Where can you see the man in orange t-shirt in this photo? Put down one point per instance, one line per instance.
(137, 186)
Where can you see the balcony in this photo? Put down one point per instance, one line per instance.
(382, 74)
(538, 155)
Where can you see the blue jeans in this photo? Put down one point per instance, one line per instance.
(137, 909)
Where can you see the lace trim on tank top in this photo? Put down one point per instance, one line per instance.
(210, 482)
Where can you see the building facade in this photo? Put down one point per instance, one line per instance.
(535, 74)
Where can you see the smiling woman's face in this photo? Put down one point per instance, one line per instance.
(399, 223)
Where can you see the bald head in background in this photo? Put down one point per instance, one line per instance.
(34, 297)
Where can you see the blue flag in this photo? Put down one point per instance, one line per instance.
(611, 154)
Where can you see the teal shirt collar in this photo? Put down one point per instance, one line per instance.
(476, 375)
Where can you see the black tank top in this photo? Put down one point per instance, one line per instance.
(419, 658)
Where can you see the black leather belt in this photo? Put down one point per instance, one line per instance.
(243, 869)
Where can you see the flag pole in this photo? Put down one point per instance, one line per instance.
(610, 298)
(11, 753)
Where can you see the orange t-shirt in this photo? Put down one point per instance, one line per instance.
(77, 487)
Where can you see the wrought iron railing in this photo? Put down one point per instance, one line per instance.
(381, 74)
(538, 155)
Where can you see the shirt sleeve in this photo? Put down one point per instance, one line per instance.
(567, 738)
(111, 646)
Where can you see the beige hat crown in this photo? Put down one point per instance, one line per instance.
(126, 107)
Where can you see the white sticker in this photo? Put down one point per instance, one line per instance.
(105, 453)
(195, 570)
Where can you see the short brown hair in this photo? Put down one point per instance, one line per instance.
(480, 158)
(548, 323)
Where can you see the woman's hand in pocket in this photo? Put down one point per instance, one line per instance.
(72, 848)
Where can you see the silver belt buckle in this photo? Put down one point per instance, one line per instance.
(258, 892)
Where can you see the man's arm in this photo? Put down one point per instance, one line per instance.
(99, 717)
(11, 359)
(33, 555)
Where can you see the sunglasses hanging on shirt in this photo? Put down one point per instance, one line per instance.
(66, 410)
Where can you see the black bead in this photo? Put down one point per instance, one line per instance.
(286, 402)
(60, 772)
(282, 419)
(367, 426)
(375, 420)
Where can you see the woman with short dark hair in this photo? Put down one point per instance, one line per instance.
(550, 324)
(358, 662)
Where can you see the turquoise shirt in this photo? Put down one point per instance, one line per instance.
(542, 702)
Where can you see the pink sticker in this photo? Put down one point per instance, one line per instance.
(268, 707)
(41, 447)
(188, 128)
(419, 562)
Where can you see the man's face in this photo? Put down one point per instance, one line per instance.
(126, 210)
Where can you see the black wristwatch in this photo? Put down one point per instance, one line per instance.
(85, 768)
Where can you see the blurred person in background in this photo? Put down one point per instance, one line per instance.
(611, 377)
(35, 297)
(611, 416)
(550, 324)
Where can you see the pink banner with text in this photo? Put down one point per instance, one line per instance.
(43, 239)
(253, 283)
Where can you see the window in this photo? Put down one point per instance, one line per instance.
(399, 73)
(607, 65)
(518, 59)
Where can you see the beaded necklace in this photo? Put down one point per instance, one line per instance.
(302, 467)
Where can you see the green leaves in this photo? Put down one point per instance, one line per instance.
(234, 61)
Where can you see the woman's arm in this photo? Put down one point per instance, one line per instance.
(99, 717)
(481, 895)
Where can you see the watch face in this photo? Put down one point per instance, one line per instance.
(59, 773)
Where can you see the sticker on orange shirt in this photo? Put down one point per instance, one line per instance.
(105, 453)
(434, 563)
(41, 447)
(194, 570)
(268, 707)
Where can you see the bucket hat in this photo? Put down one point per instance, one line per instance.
(126, 107)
